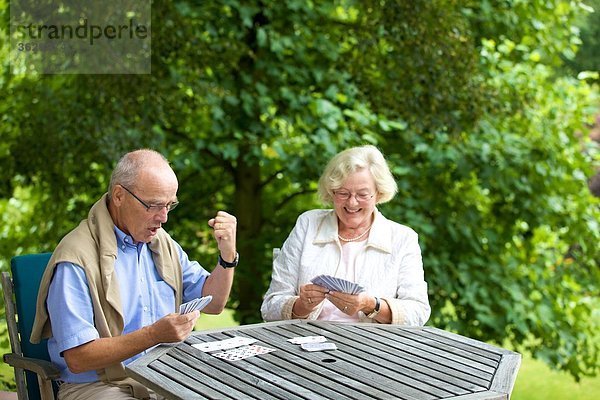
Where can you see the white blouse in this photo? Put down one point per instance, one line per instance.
(388, 265)
(346, 271)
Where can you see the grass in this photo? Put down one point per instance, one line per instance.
(535, 381)
(6, 375)
(223, 320)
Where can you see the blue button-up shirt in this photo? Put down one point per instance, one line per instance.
(145, 298)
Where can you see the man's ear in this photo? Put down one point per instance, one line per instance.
(118, 195)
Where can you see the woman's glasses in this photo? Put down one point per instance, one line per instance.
(344, 195)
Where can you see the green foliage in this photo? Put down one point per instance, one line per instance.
(588, 56)
(545, 29)
(250, 99)
(510, 246)
(401, 56)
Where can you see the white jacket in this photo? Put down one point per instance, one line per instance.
(389, 267)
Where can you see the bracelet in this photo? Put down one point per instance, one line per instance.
(299, 316)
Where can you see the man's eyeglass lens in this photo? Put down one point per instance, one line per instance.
(155, 208)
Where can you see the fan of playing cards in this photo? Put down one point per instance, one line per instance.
(337, 284)
(196, 304)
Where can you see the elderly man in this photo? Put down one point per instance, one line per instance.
(114, 284)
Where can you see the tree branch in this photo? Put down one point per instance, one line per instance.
(219, 160)
(271, 178)
(291, 196)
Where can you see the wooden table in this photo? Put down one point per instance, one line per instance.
(372, 361)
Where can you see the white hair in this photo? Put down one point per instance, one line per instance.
(353, 160)
(127, 170)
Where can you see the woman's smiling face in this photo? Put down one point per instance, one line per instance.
(357, 210)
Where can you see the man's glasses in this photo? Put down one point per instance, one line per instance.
(344, 195)
(154, 208)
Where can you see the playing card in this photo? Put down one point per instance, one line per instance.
(196, 304)
(318, 280)
(337, 284)
(242, 352)
(186, 307)
(307, 339)
(318, 346)
(323, 280)
(225, 344)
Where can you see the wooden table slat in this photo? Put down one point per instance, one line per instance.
(476, 376)
(454, 353)
(485, 355)
(159, 383)
(244, 383)
(373, 361)
(267, 373)
(456, 381)
(490, 395)
(325, 375)
(197, 382)
(505, 376)
(450, 352)
(463, 340)
(396, 363)
(374, 376)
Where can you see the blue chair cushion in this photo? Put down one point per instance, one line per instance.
(27, 271)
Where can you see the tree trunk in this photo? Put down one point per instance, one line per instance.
(248, 209)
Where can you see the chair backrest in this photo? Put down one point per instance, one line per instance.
(27, 271)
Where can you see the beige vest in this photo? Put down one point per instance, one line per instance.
(93, 246)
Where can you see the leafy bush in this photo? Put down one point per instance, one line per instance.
(250, 99)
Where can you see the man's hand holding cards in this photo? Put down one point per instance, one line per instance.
(196, 304)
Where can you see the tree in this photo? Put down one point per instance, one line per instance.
(250, 99)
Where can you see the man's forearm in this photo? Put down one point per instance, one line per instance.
(218, 285)
(103, 352)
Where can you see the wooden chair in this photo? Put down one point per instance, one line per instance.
(34, 373)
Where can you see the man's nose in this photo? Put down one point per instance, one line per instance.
(163, 215)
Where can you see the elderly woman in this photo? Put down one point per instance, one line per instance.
(355, 242)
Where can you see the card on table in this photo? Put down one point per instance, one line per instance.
(196, 304)
(318, 346)
(242, 352)
(307, 339)
(337, 284)
(225, 344)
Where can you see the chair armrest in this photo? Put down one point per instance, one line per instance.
(43, 368)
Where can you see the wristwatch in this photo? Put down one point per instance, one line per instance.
(375, 311)
(232, 264)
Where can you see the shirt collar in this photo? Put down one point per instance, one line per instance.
(380, 236)
(126, 241)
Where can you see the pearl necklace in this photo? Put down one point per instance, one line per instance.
(343, 239)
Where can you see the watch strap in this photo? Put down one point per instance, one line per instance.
(375, 311)
(232, 264)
